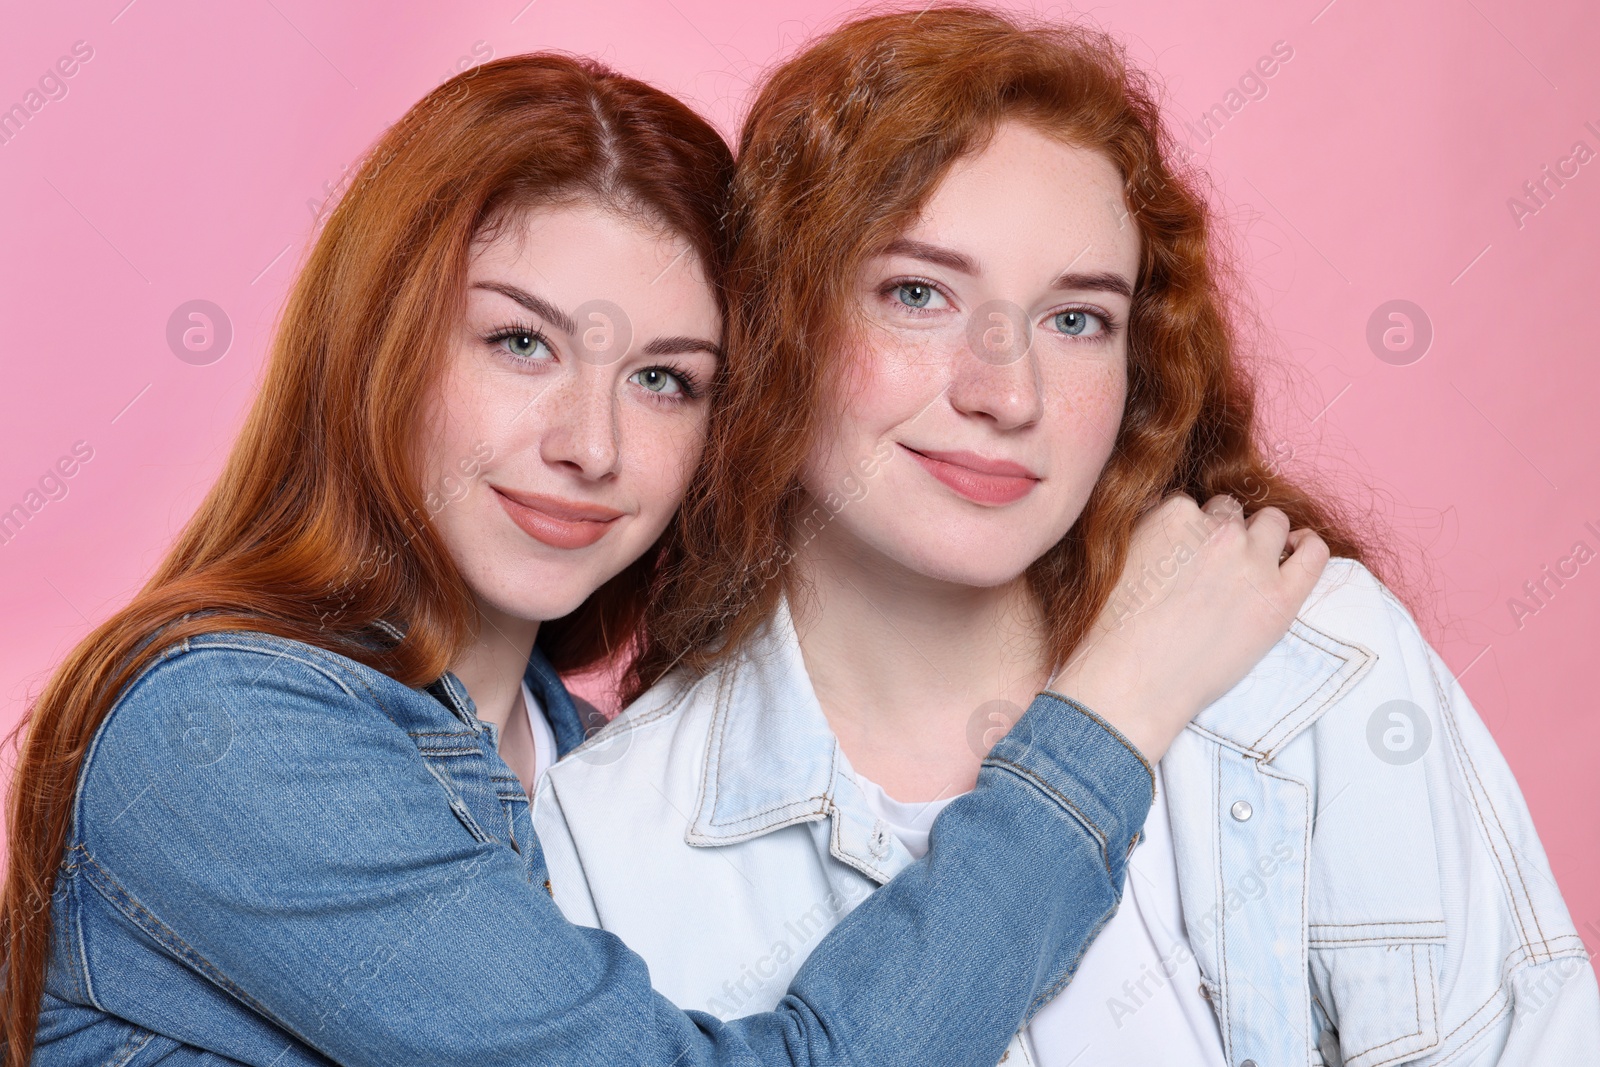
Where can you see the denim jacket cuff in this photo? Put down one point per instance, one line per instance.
(1087, 767)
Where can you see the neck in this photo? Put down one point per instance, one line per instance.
(918, 677)
(491, 667)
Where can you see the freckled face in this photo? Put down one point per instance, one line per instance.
(985, 387)
(572, 413)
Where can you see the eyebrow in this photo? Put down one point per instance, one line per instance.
(673, 346)
(945, 257)
(536, 304)
(661, 346)
(1097, 281)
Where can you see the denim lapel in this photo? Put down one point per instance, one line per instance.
(771, 758)
(773, 761)
(1296, 681)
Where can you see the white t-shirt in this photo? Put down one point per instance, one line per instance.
(1135, 998)
(544, 738)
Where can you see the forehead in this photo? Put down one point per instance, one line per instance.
(1028, 194)
(581, 251)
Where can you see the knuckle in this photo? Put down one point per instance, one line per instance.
(1178, 504)
(1229, 533)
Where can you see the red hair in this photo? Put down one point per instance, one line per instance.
(843, 145)
(317, 527)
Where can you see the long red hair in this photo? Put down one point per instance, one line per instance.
(843, 145)
(317, 527)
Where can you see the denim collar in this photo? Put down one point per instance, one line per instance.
(560, 711)
(1299, 678)
(773, 761)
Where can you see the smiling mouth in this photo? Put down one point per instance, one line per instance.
(556, 522)
(991, 482)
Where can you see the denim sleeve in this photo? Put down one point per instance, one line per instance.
(314, 870)
(959, 950)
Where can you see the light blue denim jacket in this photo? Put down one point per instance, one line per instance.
(279, 856)
(1360, 879)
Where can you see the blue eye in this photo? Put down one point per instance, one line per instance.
(1075, 322)
(916, 295)
(658, 380)
(523, 344)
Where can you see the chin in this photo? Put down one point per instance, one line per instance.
(538, 590)
(968, 573)
(539, 604)
(976, 558)
(944, 540)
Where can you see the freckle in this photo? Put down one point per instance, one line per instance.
(1094, 394)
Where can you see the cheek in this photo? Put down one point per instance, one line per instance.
(894, 377)
(885, 384)
(661, 453)
(453, 419)
(478, 420)
(1091, 399)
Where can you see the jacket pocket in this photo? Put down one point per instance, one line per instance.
(1377, 983)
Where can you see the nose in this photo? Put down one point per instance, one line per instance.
(998, 382)
(581, 432)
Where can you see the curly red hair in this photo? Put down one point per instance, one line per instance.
(843, 145)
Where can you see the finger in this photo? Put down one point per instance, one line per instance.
(1224, 520)
(1154, 509)
(1269, 534)
(1176, 501)
(1308, 555)
(1224, 508)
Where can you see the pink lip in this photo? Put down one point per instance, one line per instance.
(978, 478)
(556, 522)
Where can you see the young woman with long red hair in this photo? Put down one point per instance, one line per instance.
(275, 811)
(982, 326)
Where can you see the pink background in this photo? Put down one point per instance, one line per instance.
(1379, 166)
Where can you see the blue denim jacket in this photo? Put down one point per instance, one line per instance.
(279, 856)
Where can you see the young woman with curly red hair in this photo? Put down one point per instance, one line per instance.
(983, 326)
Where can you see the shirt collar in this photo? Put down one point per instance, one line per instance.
(771, 758)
